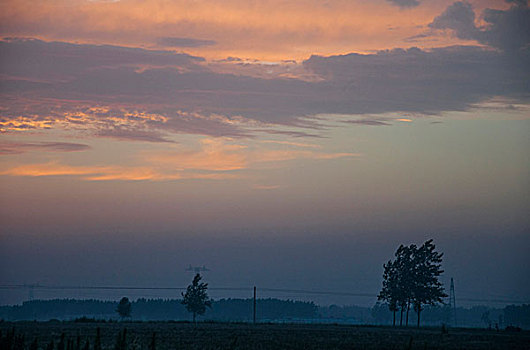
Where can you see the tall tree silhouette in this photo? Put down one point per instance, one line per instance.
(427, 289)
(412, 279)
(196, 298)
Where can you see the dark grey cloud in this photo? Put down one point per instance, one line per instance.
(508, 30)
(459, 17)
(398, 80)
(172, 93)
(291, 133)
(518, 2)
(404, 3)
(414, 80)
(370, 122)
(128, 134)
(40, 60)
(230, 59)
(7, 148)
(184, 42)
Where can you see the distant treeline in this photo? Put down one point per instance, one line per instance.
(476, 316)
(159, 310)
(275, 310)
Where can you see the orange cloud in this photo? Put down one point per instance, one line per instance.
(25, 123)
(49, 169)
(218, 155)
(283, 30)
(216, 159)
(214, 155)
(107, 173)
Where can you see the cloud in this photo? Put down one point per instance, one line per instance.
(272, 30)
(61, 61)
(414, 80)
(118, 122)
(220, 155)
(459, 17)
(106, 173)
(49, 169)
(404, 3)
(289, 133)
(7, 148)
(146, 172)
(215, 159)
(282, 155)
(184, 42)
(214, 155)
(154, 94)
(294, 144)
(518, 2)
(127, 134)
(371, 122)
(508, 30)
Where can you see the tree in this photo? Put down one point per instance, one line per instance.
(427, 267)
(397, 280)
(389, 292)
(196, 298)
(412, 278)
(405, 279)
(124, 308)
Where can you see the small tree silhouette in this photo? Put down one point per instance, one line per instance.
(196, 299)
(124, 308)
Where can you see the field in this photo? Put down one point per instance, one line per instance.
(266, 336)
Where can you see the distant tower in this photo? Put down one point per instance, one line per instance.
(197, 269)
(452, 301)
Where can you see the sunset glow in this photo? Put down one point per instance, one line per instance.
(370, 121)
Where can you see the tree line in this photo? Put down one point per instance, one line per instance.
(269, 309)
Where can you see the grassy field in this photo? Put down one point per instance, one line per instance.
(266, 336)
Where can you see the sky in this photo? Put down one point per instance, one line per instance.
(285, 144)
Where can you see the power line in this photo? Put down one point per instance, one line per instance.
(249, 289)
(302, 291)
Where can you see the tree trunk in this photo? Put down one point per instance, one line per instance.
(419, 311)
(401, 317)
(407, 317)
(394, 320)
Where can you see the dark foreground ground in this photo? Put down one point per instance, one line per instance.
(265, 336)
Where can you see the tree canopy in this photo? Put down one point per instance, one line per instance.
(124, 308)
(412, 279)
(196, 298)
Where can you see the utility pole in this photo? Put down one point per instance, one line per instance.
(31, 290)
(452, 301)
(254, 318)
(31, 294)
